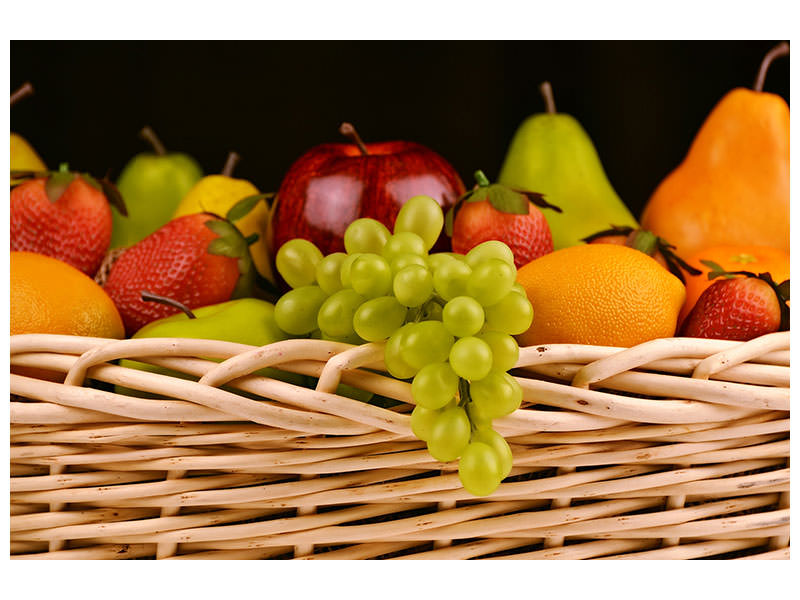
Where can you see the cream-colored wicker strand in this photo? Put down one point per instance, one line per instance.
(742, 353)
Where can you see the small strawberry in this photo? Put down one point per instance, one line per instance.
(649, 243)
(197, 259)
(64, 215)
(738, 308)
(496, 212)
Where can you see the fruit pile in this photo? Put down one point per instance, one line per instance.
(447, 321)
(382, 243)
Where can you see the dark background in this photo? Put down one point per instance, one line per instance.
(641, 102)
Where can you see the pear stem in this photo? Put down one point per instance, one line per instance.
(781, 49)
(25, 90)
(348, 131)
(547, 93)
(150, 297)
(151, 138)
(230, 164)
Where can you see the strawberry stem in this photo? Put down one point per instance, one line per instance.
(547, 93)
(348, 131)
(481, 178)
(150, 137)
(151, 297)
(23, 91)
(230, 163)
(781, 49)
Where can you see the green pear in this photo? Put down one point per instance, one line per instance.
(553, 155)
(152, 184)
(244, 321)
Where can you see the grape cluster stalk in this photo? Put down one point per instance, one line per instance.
(447, 320)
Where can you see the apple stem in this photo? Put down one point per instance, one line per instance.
(348, 131)
(25, 90)
(547, 93)
(781, 49)
(230, 163)
(150, 297)
(150, 137)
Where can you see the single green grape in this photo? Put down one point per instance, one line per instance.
(450, 279)
(490, 249)
(423, 216)
(335, 317)
(297, 262)
(296, 311)
(371, 276)
(365, 235)
(413, 285)
(438, 259)
(346, 268)
(513, 314)
(328, 272)
(463, 316)
(422, 420)
(491, 280)
(479, 469)
(449, 435)
(471, 358)
(517, 287)
(505, 350)
(434, 386)
(404, 242)
(498, 443)
(426, 342)
(406, 259)
(395, 364)
(478, 419)
(495, 395)
(377, 319)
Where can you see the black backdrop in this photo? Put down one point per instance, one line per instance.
(641, 102)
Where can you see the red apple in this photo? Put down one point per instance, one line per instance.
(332, 185)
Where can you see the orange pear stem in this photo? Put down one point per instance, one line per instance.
(547, 93)
(781, 49)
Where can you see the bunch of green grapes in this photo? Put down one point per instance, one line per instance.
(447, 321)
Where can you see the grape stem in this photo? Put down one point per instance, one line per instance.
(463, 392)
(438, 300)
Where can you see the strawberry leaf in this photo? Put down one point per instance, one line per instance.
(245, 205)
(478, 195)
(221, 228)
(716, 270)
(113, 195)
(505, 199)
(225, 247)
(783, 290)
(615, 230)
(57, 183)
(538, 200)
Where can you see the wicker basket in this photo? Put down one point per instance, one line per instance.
(677, 448)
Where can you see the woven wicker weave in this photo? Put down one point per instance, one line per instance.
(677, 448)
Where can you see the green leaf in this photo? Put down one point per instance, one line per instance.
(478, 195)
(225, 247)
(91, 181)
(222, 228)
(251, 239)
(113, 195)
(57, 183)
(448, 221)
(507, 200)
(716, 270)
(245, 205)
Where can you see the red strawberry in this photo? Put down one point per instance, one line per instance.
(739, 309)
(495, 212)
(65, 216)
(194, 259)
(645, 241)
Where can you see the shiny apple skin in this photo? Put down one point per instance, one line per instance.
(332, 185)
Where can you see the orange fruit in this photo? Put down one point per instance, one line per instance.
(50, 296)
(757, 259)
(599, 294)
